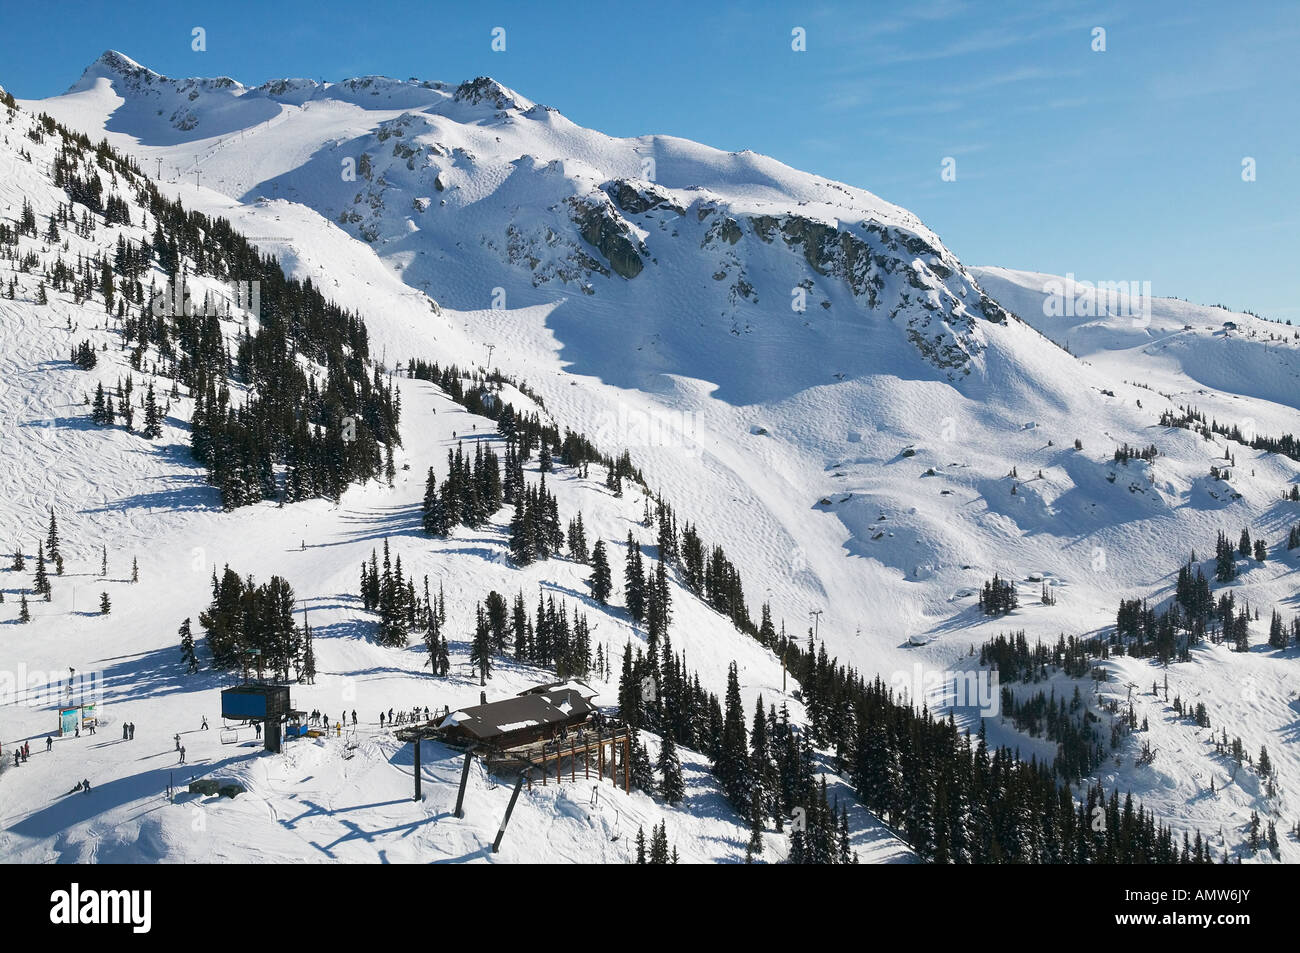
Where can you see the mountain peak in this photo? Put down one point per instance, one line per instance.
(485, 89)
(114, 65)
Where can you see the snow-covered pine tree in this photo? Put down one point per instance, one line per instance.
(188, 658)
(481, 647)
(671, 786)
(601, 582)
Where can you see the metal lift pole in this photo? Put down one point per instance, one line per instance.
(464, 779)
(510, 809)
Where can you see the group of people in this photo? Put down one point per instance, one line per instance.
(323, 720)
(128, 730)
(402, 717)
(23, 752)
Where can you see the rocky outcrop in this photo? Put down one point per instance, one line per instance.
(600, 226)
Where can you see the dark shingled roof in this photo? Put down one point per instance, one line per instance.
(499, 720)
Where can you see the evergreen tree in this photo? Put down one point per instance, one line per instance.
(754, 849)
(41, 583)
(104, 604)
(634, 581)
(641, 771)
(481, 648)
(640, 845)
(188, 658)
(732, 764)
(659, 844)
(152, 417)
(307, 673)
(52, 539)
(24, 614)
(601, 582)
(670, 770)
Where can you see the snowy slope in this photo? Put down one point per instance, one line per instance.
(337, 798)
(854, 456)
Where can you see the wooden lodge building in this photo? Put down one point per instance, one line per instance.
(541, 713)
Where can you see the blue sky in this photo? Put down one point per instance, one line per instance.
(1117, 165)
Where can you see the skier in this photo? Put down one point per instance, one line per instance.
(178, 741)
(16, 758)
(182, 761)
(204, 727)
(390, 716)
(354, 718)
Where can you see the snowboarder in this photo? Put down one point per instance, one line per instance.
(204, 726)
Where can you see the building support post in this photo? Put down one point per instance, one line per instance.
(417, 769)
(510, 808)
(627, 782)
(464, 780)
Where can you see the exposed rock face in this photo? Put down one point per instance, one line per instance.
(601, 226)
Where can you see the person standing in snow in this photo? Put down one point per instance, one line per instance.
(49, 743)
(182, 761)
(354, 718)
(85, 785)
(125, 733)
(204, 726)
(257, 729)
(381, 719)
(178, 741)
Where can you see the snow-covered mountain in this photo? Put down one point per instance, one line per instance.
(871, 428)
